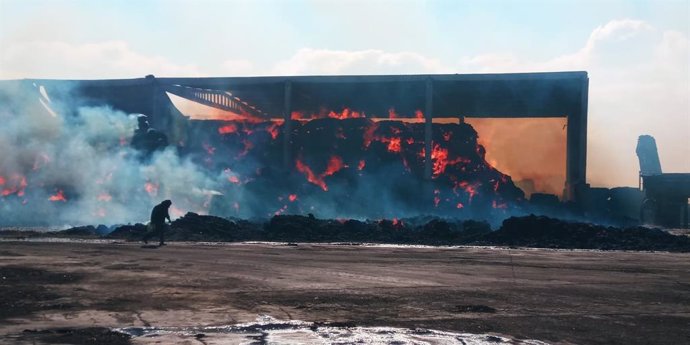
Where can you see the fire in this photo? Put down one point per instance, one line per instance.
(459, 205)
(234, 179)
(59, 196)
(296, 115)
(470, 189)
(335, 164)
(369, 134)
(248, 145)
(311, 177)
(392, 114)
(361, 165)
(15, 184)
(151, 188)
(419, 114)
(437, 197)
(394, 145)
(227, 129)
(104, 197)
(273, 130)
(292, 197)
(346, 114)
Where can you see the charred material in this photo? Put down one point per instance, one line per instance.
(355, 167)
(528, 231)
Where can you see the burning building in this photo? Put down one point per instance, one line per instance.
(357, 146)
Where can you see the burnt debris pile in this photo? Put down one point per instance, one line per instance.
(528, 231)
(545, 232)
(353, 167)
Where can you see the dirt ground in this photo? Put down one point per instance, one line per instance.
(49, 290)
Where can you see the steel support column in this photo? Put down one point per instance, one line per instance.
(287, 125)
(576, 150)
(428, 118)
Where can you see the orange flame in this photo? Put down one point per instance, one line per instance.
(15, 184)
(59, 196)
(311, 177)
(231, 128)
(470, 189)
(394, 145)
(346, 114)
(273, 130)
(335, 164)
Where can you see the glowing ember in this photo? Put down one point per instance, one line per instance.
(234, 179)
(311, 177)
(394, 145)
(296, 115)
(15, 184)
(335, 164)
(292, 197)
(345, 114)
(59, 196)
(361, 165)
(227, 129)
(273, 130)
(470, 189)
(459, 205)
(392, 114)
(419, 114)
(437, 197)
(151, 188)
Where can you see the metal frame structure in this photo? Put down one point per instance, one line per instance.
(513, 95)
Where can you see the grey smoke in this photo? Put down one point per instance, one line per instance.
(84, 152)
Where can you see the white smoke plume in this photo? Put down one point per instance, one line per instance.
(61, 164)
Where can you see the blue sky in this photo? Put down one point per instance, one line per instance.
(636, 52)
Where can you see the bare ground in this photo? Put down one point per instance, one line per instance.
(71, 292)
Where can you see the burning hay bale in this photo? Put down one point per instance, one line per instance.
(357, 167)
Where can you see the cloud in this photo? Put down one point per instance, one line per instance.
(59, 59)
(639, 81)
(327, 62)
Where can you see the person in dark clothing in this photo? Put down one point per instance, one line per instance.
(158, 216)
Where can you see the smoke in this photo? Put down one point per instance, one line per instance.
(64, 164)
